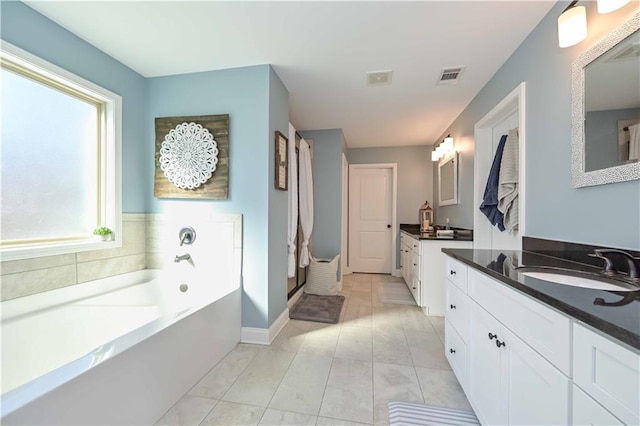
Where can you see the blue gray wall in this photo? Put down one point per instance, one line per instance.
(601, 136)
(327, 191)
(246, 94)
(603, 215)
(29, 30)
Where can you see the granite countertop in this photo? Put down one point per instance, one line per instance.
(621, 321)
(459, 234)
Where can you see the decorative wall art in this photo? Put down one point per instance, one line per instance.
(192, 157)
(282, 161)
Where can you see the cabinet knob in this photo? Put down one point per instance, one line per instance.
(492, 336)
(452, 306)
(414, 288)
(499, 343)
(452, 272)
(388, 226)
(452, 351)
(415, 264)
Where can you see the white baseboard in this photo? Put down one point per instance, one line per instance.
(264, 336)
(295, 297)
(396, 273)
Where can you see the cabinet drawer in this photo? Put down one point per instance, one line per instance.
(456, 309)
(588, 412)
(608, 372)
(456, 353)
(457, 273)
(545, 330)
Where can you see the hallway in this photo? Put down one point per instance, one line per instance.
(330, 374)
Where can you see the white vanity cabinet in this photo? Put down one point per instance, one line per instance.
(520, 356)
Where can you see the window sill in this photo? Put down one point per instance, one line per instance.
(30, 252)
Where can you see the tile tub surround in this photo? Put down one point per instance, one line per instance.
(30, 276)
(330, 374)
(619, 322)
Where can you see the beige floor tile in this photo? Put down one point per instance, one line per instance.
(385, 278)
(441, 388)
(390, 346)
(274, 417)
(387, 317)
(361, 277)
(355, 343)
(357, 315)
(360, 297)
(259, 381)
(225, 373)
(349, 392)
(291, 337)
(321, 340)
(427, 350)
(393, 383)
(302, 388)
(364, 286)
(414, 319)
(190, 410)
(325, 421)
(438, 325)
(229, 413)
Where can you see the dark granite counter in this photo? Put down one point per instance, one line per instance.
(615, 313)
(460, 234)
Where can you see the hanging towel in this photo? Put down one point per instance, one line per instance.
(634, 142)
(508, 182)
(489, 206)
(292, 204)
(306, 201)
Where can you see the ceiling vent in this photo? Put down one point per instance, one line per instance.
(379, 78)
(450, 75)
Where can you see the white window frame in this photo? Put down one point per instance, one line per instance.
(110, 157)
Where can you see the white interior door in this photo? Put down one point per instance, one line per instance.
(370, 219)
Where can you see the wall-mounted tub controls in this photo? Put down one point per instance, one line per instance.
(187, 235)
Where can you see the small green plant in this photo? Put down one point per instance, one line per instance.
(102, 231)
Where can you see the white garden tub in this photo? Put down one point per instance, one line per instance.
(120, 350)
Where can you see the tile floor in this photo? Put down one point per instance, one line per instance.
(330, 374)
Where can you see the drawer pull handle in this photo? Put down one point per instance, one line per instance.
(499, 343)
(452, 351)
(452, 306)
(452, 272)
(492, 336)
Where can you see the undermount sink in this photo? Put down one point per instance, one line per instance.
(578, 280)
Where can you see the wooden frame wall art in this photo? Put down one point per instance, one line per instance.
(282, 161)
(192, 157)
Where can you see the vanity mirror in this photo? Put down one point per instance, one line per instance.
(606, 109)
(448, 180)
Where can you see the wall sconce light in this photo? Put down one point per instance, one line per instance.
(444, 148)
(572, 25)
(572, 22)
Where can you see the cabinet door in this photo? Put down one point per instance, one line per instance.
(588, 412)
(415, 277)
(484, 376)
(536, 392)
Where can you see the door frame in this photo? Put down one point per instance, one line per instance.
(344, 259)
(394, 205)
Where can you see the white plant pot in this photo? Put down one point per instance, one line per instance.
(102, 237)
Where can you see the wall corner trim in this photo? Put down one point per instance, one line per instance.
(264, 336)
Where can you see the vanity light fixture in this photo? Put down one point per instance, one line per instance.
(606, 6)
(444, 148)
(572, 25)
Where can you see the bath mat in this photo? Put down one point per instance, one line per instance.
(318, 308)
(406, 413)
(396, 293)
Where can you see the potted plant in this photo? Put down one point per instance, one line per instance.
(102, 233)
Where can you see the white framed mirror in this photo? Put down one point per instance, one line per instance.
(605, 94)
(448, 180)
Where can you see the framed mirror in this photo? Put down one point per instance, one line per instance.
(448, 180)
(605, 95)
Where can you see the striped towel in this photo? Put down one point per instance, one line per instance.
(406, 413)
(508, 182)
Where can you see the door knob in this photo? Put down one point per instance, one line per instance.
(388, 226)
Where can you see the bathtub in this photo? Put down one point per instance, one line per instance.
(120, 350)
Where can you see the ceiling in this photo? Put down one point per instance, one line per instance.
(321, 51)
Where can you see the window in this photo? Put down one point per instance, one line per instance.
(59, 162)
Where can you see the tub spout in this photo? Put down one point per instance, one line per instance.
(182, 257)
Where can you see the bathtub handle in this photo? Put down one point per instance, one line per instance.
(187, 235)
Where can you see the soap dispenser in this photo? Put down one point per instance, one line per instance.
(447, 226)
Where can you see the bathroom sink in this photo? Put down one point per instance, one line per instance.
(577, 279)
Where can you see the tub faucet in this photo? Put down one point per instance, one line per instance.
(632, 262)
(182, 257)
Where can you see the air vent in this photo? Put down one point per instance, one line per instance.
(629, 51)
(379, 78)
(450, 75)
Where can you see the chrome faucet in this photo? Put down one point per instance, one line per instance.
(182, 257)
(633, 263)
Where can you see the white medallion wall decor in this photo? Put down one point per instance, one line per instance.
(188, 156)
(192, 157)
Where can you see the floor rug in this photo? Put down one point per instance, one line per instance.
(409, 414)
(397, 293)
(317, 308)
